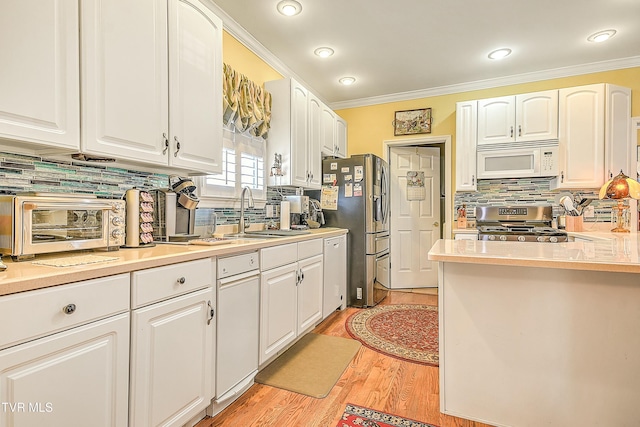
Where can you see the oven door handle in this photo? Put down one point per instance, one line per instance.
(78, 207)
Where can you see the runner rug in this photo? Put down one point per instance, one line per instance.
(357, 416)
(311, 366)
(405, 331)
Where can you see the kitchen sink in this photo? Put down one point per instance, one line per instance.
(278, 233)
(240, 236)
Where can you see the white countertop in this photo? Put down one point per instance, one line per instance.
(615, 252)
(25, 275)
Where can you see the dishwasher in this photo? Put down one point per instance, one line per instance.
(238, 306)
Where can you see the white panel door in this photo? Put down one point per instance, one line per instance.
(195, 91)
(341, 137)
(415, 224)
(77, 377)
(310, 293)
(125, 79)
(299, 135)
(315, 142)
(171, 360)
(39, 76)
(496, 118)
(537, 116)
(278, 309)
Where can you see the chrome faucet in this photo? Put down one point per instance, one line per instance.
(241, 225)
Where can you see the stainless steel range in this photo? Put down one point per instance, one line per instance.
(517, 223)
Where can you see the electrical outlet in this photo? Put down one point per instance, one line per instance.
(269, 211)
(358, 293)
(589, 212)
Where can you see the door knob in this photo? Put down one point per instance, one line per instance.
(436, 224)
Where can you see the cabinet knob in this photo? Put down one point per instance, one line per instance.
(69, 309)
(181, 280)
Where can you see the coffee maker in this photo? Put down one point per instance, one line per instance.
(174, 221)
(299, 211)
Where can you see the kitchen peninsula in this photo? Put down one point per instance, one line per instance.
(540, 333)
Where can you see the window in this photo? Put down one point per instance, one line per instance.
(242, 166)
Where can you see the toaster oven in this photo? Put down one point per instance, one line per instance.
(39, 223)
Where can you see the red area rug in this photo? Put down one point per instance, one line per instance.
(406, 331)
(357, 416)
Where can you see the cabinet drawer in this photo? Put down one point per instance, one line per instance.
(309, 248)
(278, 255)
(33, 314)
(157, 284)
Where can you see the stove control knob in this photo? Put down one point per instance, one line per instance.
(492, 237)
(540, 239)
(521, 239)
(503, 238)
(553, 239)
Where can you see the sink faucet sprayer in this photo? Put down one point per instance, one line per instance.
(241, 224)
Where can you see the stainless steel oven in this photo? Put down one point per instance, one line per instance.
(43, 223)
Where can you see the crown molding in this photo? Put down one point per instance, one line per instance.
(595, 67)
(244, 37)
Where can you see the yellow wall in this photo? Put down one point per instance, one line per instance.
(369, 126)
(244, 61)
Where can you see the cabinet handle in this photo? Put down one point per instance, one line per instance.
(175, 138)
(511, 134)
(181, 280)
(69, 309)
(519, 130)
(610, 174)
(211, 312)
(166, 143)
(473, 180)
(561, 177)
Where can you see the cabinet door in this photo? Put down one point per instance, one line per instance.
(171, 360)
(328, 138)
(125, 79)
(76, 377)
(620, 152)
(195, 88)
(581, 137)
(39, 76)
(314, 143)
(496, 120)
(341, 137)
(335, 274)
(299, 134)
(310, 293)
(466, 137)
(537, 116)
(278, 309)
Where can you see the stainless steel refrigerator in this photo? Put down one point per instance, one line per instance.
(362, 185)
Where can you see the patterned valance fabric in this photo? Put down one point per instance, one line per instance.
(247, 106)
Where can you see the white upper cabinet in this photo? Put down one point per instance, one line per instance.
(466, 144)
(594, 138)
(152, 83)
(39, 76)
(521, 118)
(296, 131)
(341, 137)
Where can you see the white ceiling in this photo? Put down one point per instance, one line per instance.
(399, 49)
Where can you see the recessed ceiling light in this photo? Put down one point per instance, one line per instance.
(500, 53)
(601, 36)
(347, 81)
(289, 7)
(323, 52)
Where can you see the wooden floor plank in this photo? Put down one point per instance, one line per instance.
(372, 379)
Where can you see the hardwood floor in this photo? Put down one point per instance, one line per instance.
(372, 380)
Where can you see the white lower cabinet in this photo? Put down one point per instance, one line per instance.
(291, 294)
(335, 274)
(172, 350)
(66, 355)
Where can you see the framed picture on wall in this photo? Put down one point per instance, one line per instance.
(409, 122)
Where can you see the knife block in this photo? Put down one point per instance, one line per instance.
(574, 223)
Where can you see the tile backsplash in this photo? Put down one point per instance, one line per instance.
(531, 191)
(24, 173)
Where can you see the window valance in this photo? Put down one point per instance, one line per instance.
(247, 106)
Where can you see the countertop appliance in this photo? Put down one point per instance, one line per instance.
(40, 223)
(518, 223)
(362, 185)
(140, 215)
(238, 307)
(173, 222)
(298, 210)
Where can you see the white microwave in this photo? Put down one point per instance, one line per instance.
(520, 162)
